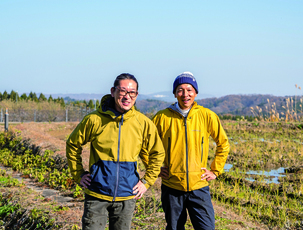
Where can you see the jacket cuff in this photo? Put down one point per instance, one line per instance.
(78, 178)
(216, 173)
(147, 185)
(85, 172)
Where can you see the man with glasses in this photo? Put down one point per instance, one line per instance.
(118, 134)
(184, 128)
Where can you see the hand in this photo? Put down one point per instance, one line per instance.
(85, 180)
(139, 190)
(164, 173)
(208, 175)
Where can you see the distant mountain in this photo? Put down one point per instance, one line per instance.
(168, 96)
(163, 96)
(241, 104)
(77, 96)
(233, 104)
(230, 104)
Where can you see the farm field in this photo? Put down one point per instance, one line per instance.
(261, 188)
(265, 181)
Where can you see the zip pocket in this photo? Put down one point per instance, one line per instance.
(168, 153)
(202, 149)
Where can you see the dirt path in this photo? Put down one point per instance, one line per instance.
(52, 136)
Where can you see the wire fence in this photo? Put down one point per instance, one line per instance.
(22, 115)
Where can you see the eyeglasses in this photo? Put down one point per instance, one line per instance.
(123, 92)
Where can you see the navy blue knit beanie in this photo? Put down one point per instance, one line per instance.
(185, 78)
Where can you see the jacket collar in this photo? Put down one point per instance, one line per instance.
(108, 107)
(175, 109)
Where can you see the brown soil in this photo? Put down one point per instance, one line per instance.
(52, 136)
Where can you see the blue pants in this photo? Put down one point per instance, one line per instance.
(197, 202)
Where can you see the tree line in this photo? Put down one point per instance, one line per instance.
(32, 96)
(227, 107)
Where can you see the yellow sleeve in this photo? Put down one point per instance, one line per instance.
(218, 134)
(152, 154)
(79, 137)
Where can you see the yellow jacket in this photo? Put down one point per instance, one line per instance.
(115, 144)
(186, 144)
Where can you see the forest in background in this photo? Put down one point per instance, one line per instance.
(227, 107)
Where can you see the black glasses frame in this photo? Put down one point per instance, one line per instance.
(132, 94)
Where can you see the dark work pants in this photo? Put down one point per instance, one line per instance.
(197, 202)
(96, 212)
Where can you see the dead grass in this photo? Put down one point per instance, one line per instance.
(52, 136)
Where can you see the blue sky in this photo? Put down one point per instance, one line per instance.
(231, 47)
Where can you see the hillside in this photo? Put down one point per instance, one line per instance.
(239, 105)
(233, 104)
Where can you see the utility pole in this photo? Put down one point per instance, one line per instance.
(6, 121)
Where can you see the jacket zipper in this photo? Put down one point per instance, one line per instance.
(118, 159)
(168, 153)
(202, 148)
(186, 144)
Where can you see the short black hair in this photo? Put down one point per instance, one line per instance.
(124, 76)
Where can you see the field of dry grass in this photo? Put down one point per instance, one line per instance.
(52, 136)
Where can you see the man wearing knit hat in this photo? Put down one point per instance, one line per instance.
(184, 128)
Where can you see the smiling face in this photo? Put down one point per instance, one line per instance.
(185, 94)
(123, 102)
